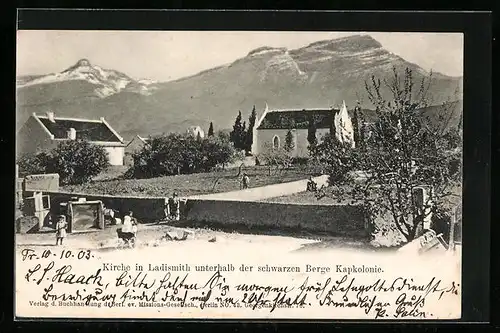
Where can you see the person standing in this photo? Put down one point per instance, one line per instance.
(245, 181)
(174, 207)
(127, 223)
(61, 226)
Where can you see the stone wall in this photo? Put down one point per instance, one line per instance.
(343, 220)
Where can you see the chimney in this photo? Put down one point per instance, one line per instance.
(72, 134)
(50, 116)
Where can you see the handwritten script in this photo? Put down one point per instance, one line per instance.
(62, 280)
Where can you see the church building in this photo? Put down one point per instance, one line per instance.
(271, 128)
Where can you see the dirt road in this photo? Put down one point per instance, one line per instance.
(264, 192)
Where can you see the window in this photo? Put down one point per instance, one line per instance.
(276, 142)
(46, 202)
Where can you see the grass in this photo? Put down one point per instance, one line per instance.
(187, 185)
(306, 198)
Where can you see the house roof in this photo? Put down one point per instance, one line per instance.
(139, 139)
(88, 129)
(297, 118)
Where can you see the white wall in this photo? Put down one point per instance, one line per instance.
(115, 155)
(265, 137)
(32, 138)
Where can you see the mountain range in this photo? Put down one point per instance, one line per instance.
(322, 74)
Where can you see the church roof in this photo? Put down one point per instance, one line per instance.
(298, 118)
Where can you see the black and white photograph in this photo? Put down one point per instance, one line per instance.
(239, 174)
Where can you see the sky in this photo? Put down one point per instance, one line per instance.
(169, 55)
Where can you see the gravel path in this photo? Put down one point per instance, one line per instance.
(264, 192)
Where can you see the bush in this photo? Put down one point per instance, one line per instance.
(300, 160)
(180, 154)
(76, 162)
(441, 221)
(33, 164)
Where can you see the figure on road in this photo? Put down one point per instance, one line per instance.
(245, 181)
(61, 229)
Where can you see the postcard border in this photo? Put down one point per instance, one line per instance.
(477, 96)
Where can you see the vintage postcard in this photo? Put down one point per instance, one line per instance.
(238, 175)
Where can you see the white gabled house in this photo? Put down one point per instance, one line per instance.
(47, 131)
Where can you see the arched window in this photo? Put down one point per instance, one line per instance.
(276, 142)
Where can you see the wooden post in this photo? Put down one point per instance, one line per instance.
(451, 241)
(70, 217)
(100, 212)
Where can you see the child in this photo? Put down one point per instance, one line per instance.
(127, 223)
(245, 181)
(60, 229)
(174, 207)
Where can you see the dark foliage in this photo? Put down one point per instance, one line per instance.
(211, 129)
(181, 154)
(76, 161)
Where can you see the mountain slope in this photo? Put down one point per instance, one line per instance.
(321, 74)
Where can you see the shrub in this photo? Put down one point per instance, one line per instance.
(30, 164)
(441, 221)
(300, 160)
(180, 154)
(76, 161)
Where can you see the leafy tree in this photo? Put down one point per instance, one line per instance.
(218, 151)
(76, 161)
(332, 128)
(404, 152)
(211, 130)
(238, 133)
(289, 143)
(30, 164)
(277, 158)
(311, 133)
(363, 129)
(251, 124)
(243, 138)
(224, 135)
(356, 124)
(181, 154)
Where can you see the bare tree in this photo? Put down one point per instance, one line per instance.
(277, 158)
(404, 153)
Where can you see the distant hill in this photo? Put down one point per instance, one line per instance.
(321, 74)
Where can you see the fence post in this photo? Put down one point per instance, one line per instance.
(451, 241)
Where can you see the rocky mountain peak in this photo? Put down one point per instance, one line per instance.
(356, 43)
(267, 50)
(83, 63)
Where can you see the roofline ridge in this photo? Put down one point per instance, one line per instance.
(71, 118)
(111, 129)
(45, 129)
(118, 143)
(305, 109)
(100, 121)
